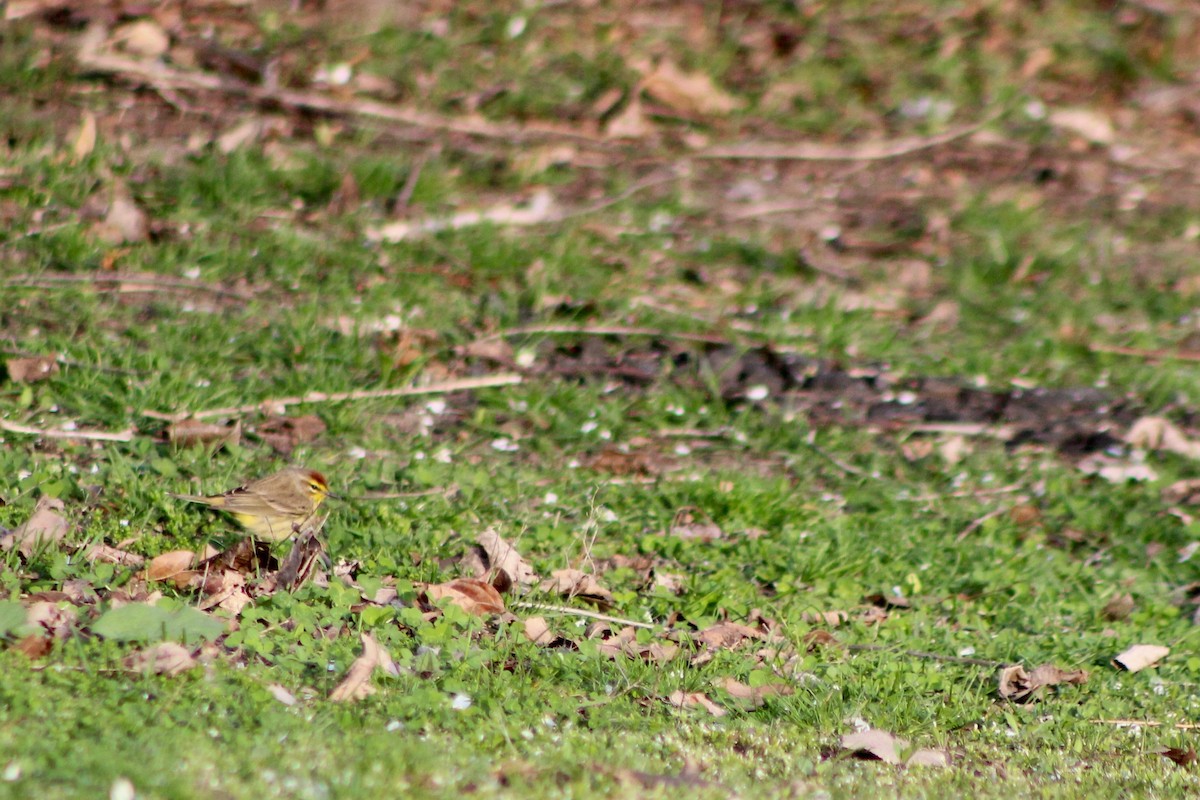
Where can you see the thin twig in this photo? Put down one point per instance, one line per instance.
(463, 384)
(414, 175)
(163, 79)
(579, 612)
(976, 662)
(124, 283)
(878, 150)
(1147, 723)
(83, 433)
(977, 523)
(849, 469)
(929, 498)
(600, 330)
(1138, 352)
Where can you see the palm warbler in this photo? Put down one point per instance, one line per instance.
(272, 508)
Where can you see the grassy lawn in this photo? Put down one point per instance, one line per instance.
(824, 428)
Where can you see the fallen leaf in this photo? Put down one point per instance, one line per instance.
(240, 135)
(285, 433)
(754, 696)
(883, 746)
(1118, 608)
(504, 557)
(687, 525)
(538, 631)
(727, 635)
(625, 644)
(1185, 492)
(1091, 125)
(1018, 685)
(830, 618)
(164, 658)
(1115, 470)
(1140, 656)
(474, 596)
(125, 221)
(1179, 755)
(33, 369)
(680, 699)
(356, 685)
(169, 564)
(282, 694)
(572, 583)
(1156, 433)
(112, 555)
(630, 122)
(192, 431)
(85, 138)
(143, 37)
(44, 527)
(689, 92)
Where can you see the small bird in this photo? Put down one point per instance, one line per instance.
(273, 508)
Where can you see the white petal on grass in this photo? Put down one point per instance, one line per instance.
(505, 445)
(757, 392)
(461, 702)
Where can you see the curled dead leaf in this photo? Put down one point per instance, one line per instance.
(1140, 656)
(169, 565)
(680, 699)
(1118, 607)
(45, 527)
(538, 631)
(32, 369)
(502, 556)
(575, 583)
(1018, 685)
(472, 595)
(689, 92)
(192, 431)
(754, 696)
(883, 746)
(164, 658)
(356, 685)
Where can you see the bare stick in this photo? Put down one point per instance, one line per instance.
(849, 469)
(600, 330)
(53, 433)
(579, 612)
(124, 283)
(464, 384)
(1137, 352)
(1147, 723)
(166, 80)
(879, 150)
(977, 523)
(976, 662)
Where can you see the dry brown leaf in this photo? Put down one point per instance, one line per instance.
(625, 644)
(538, 631)
(1181, 756)
(1091, 125)
(45, 527)
(164, 658)
(1118, 608)
(169, 565)
(356, 685)
(282, 694)
(143, 37)
(689, 92)
(285, 433)
(1018, 685)
(1185, 492)
(630, 123)
(125, 221)
(575, 583)
(112, 555)
(690, 522)
(1156, 433)
(830, 618)
(754, 696)
(883, 746)
(1140, 656)
(504, 557)
(691, 699)
(32, 369)
(85, 138)
(474, 596)
(727, 635)
(192, 431)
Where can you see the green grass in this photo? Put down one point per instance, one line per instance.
(289, 295)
